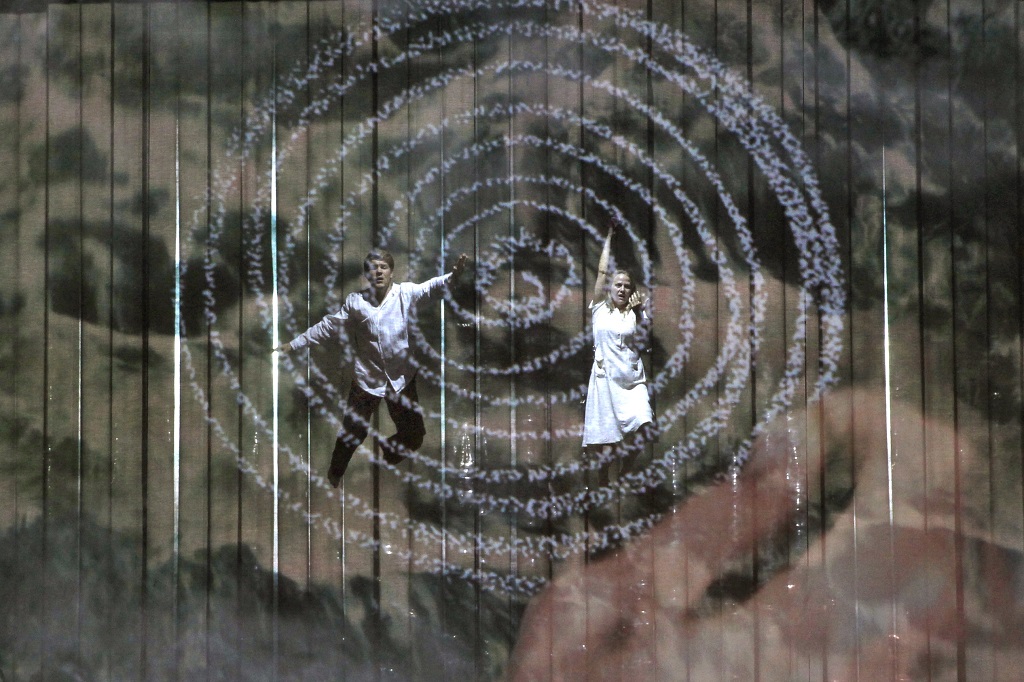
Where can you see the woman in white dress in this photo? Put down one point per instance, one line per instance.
(617, 400)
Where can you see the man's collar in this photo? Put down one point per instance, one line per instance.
(369, 295)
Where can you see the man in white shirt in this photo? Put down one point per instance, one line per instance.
(377, 318)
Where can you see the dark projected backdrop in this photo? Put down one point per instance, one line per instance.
(821, 200)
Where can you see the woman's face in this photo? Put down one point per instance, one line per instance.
(621, 289)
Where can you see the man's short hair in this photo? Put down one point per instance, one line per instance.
(378, 254)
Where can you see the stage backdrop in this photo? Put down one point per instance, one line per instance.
(818, 199)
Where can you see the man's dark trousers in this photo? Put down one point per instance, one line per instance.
(361, 406)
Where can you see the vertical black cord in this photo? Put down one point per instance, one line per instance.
(308, 229)
(44, 631)
(922, 320)
(961, 642)
(239, 477)
(208, 388)
(111, 319)
(145, 295)
(1018, 107)
(851, 338)
(378, 615)
(755, 563)
(80, 330)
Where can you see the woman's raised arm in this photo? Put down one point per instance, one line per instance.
(602, 266)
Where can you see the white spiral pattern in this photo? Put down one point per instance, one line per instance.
(662, 53)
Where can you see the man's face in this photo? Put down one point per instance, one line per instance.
(379, 274)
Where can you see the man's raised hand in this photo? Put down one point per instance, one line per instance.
(460, 265)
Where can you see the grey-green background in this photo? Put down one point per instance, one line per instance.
(116, 117)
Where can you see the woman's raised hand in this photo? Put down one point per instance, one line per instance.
(637, 300)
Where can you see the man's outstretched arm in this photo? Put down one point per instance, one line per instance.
(324, 330)
(435, 284)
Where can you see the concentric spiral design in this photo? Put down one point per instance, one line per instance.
(492, 191)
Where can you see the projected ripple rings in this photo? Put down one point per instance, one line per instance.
(671, 59)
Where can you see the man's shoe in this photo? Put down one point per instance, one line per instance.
(334, 477)
(392, 457)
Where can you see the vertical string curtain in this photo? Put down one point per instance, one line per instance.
(816, 198)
